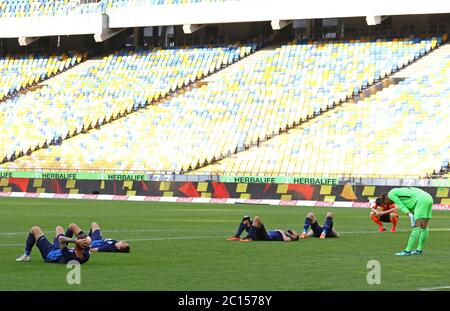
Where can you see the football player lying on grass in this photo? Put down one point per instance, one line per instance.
(257, 232)
(99, 244)
(383, 212)
(283, 236)
(58, 252)
(245, 225)
(318, 231)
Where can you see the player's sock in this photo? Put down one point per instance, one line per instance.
(69, 233)
(327, 225)
(376, 220)
(423, 237)
(414, 236)
(394, 223)
(241, 229)
(252, 233)
(306, 225)
(31, 240)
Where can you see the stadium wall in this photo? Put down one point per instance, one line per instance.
(265, 10)
(211, 13)
(209, 190)
(42, 26)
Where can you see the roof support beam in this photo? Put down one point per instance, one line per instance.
(191, 28)
(106, 34)
(24, 41)
(279, 24)
(375, 19)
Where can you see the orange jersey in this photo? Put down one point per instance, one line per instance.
(386, 207)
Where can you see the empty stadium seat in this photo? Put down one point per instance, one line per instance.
(22, 71)
(144, 3)
(33, 8)
(401, 131)
(294, 82)
(119, 83)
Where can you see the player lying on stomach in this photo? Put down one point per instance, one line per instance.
(317, 231)
(99, 244)
(257, 232)
(383, 212)
(58, 252)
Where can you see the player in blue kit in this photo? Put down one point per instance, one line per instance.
(283, 236)
(58, 252)
(257, 232)
(318, 231)
(245, 225)
(99, 244)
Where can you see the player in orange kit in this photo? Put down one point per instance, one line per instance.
(384, 213)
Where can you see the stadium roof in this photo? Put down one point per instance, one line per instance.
(279, 12)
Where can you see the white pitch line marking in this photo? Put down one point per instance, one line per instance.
(376, 232)
(11, 245)
(200, 230)
(147, 239)
(178, 238)
(125, 231)
(433, 288)
(191, 238)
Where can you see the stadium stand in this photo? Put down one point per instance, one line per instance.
(400, 131)
(121, 82)
(22, 71)
(143, 3)
(33, 8)
(295, 82)
(445, 169)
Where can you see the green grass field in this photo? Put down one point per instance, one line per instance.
(183, 247)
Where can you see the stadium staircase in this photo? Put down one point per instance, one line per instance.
(421, 66)
(92, 62)
(245, 62)
(419, 69)
(416, 67)
(220, 74)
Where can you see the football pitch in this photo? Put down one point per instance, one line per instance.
(182, 246)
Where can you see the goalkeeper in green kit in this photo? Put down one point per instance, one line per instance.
(417, 204)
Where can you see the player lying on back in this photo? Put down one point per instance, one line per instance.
(245, 225)
(383, 212)
(257, 232)
(255, 229)
(99, 244)
(318, 231)
(283, 236)
(58, 252)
